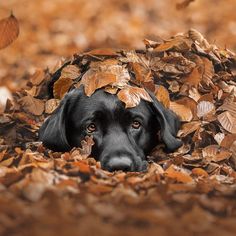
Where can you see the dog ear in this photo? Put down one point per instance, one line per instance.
(169, 123)
(53, 131)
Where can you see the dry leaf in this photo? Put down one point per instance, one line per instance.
(183, 4)
(162, 95)
(198, 37)
(38, 77)
(103, 52)
(199, 172)
(9, 30)
(132, 96)
(70, 71)
(179, 43)
(61, 87)
(227, 121)
(216, 153)
(32, 105)
(93, 80)
(51, 105)
(204, 108)
(178, 174)
(189, 128)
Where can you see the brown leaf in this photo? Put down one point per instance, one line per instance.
(227, 121)
(216, 153)
(198, 37)
(38, 77)
(142, 73)
(70, 71)
(61, 87)
(9, 30)
(189, 128)
(32, 105)
(184, 4)
(182, 111)
(228, 140)
(131, 96)
(179, 43)
(162, 95)
(179, 174)
(95, 80)
(207, 71)
(51, 105)
(7, 162)
(103, 52)
(204, 108)
(194, 78)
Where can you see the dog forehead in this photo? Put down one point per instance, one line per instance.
(108, 104)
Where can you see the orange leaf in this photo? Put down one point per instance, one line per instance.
(179, 174)
(131, 96)
(193, 78)
(9, 30)
(162, 95)
(182, 111)
(103, 52)
(61, 87)
(83, 167)
(199, 172)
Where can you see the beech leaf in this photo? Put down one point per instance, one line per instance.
(9, 30)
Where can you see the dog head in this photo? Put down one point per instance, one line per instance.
(123, 136)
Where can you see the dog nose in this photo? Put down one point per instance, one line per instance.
(120, 163)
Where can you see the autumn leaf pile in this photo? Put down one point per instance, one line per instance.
(190, 191)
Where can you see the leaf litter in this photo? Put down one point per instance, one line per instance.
(192, 188)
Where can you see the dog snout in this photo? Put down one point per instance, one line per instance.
(123, 163)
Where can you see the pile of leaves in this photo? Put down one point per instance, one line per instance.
(189, 191)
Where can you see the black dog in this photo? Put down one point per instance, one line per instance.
(123, 137)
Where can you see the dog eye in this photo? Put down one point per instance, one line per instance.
(91, 128)
(136, 124)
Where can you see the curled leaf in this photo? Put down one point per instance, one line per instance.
(132, 96)
(61, 87)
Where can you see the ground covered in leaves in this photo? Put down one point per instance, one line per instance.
(189, 192)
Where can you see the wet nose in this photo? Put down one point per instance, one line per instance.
(120, 163)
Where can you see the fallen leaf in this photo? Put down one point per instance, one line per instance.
(9, 31)
(178, 174)
(32, 105)
(51, 105)
(61, 87)
(227, 121)
(93, 80)
(204, 108)
(216, 153)
(162, 95)
(189, 128)
(103, 52)
(132, 96)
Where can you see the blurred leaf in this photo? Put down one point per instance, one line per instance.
(9, 30)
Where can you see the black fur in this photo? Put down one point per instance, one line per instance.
(118, 145)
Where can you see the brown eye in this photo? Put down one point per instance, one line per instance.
(91, 128)
(136, 124)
